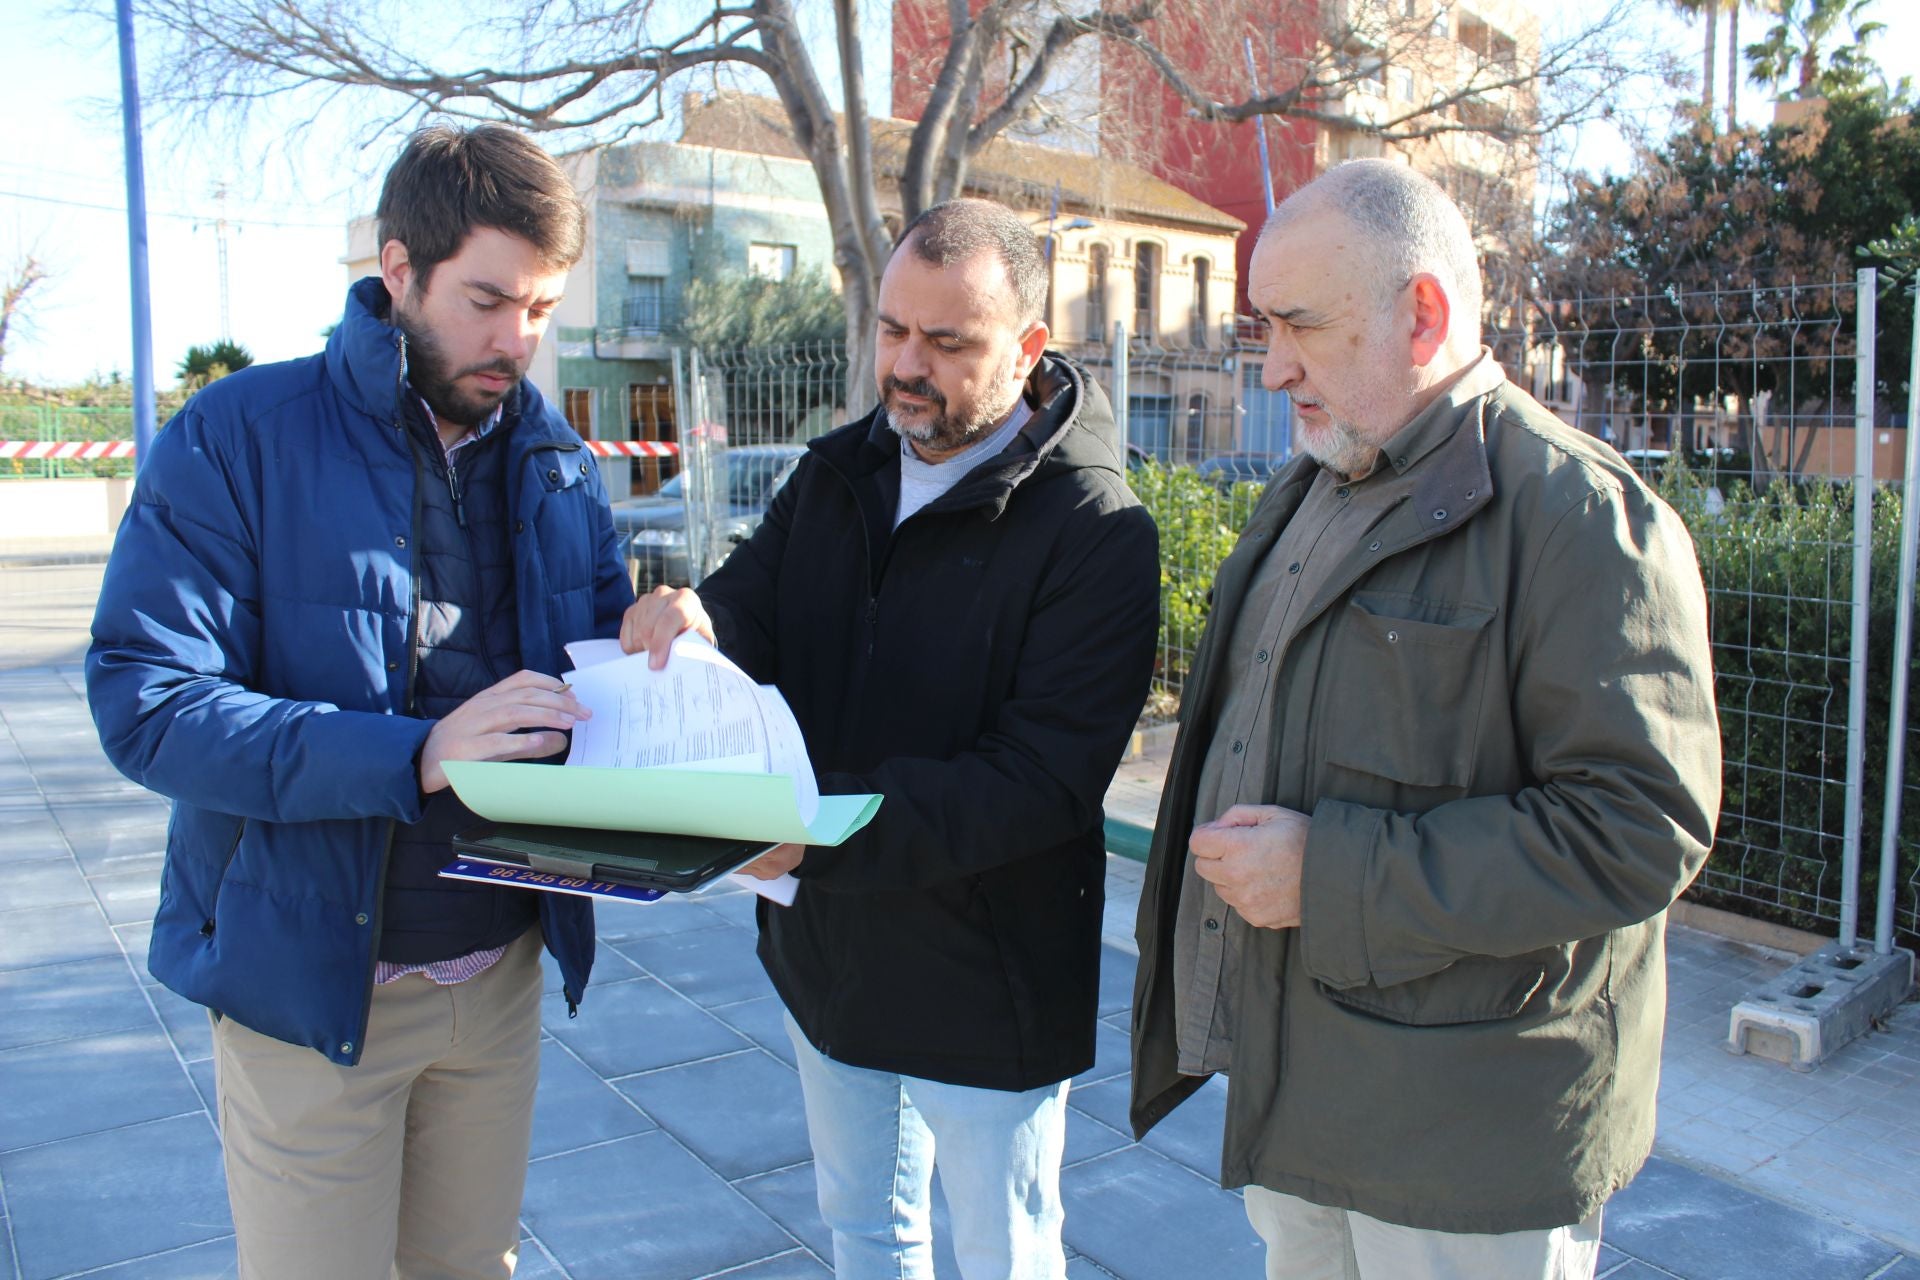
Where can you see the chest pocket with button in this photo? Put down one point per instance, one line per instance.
(1403, 688)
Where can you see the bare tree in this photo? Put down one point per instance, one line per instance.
(601, 68)
(28, 274)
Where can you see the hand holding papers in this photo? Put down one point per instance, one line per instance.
(695, 749)
(700, 711)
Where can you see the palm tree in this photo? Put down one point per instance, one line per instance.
(202, 365)
(1795, 46)
(1711, 8)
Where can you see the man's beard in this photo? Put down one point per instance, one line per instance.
(427, 373)
(1339, 447)
(942, 432)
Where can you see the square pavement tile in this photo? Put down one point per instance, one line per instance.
(707, 966)
(609, 967)
(214, 1260)
(160, 1185)
(28, 833)
(54, 935)
(575, 1108)
(641, 1026)
(535, 1264)
(1116, 980)
(74, 1087)
(642, 1206)
(798, 1265)
(1111, 1055)
(186, 1023)
(735, 906)
(62, 1001)
(763, 1021)
(1696, 1226)
(129, 897)
(1088, 1138)
(134, 940)
(103, 833)
(741, 1114)
(1190, 1137)
(790, 1198)
(1143, 1217)
(675, 913)
(54, 882)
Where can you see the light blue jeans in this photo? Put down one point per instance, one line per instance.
(874, 1139)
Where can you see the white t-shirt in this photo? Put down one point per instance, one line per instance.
(922, 481)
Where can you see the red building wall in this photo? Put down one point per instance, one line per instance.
(1145, 122)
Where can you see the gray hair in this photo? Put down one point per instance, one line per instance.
(951, 233)
(1409, 223)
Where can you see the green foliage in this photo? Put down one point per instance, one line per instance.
(204, 364)
(1661, 253)
(1198, 527)
(732, 312)
(1805, 44)
(1778, 569)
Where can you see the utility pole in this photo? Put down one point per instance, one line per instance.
(220, 234)
(136, 236)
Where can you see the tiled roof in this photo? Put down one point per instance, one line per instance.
(1021, 174)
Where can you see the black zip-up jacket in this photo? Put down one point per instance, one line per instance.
(981, 668)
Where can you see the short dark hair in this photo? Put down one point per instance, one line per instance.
(449, 180)
(953, 232)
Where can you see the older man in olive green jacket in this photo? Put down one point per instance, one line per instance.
(1447, 754)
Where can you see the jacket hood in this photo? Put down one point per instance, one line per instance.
(1071, 429)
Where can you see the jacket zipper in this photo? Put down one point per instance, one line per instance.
(413, 666)
(213, 908)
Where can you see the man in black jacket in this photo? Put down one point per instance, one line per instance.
(958, 596)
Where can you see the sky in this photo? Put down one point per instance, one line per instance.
(62, 198)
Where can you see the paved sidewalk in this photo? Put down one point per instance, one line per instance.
(671, 1100)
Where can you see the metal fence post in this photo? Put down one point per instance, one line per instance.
(1902, 655)
(1863, 373)
(1120, 389)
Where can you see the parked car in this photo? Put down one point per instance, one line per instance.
(1228, 469)
(655, 527)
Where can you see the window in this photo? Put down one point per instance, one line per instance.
(775, 261)
(1369, 76)
(1146, 278)
(577, 404)
(1097, 293)
(1202, 307)
(644, 310)
(1195, 444)
(650, 417)
(1402, 85)
(646, 257)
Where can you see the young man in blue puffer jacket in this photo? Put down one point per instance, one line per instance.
(337, 573)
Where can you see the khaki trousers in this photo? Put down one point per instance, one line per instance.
(1307, 1241)
(409, 1165)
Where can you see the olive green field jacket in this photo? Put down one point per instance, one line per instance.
(1499, 714)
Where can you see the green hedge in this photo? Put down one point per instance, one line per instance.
(1779, 572)
(1778, 566)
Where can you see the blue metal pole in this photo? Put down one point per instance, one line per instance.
(1260, 126)
(143, 423)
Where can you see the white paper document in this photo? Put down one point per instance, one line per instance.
(699, 711)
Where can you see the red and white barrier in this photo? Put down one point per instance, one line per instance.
(633, 448)
(95, 450)
(68, 450)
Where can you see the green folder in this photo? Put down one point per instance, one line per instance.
(688, 802)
